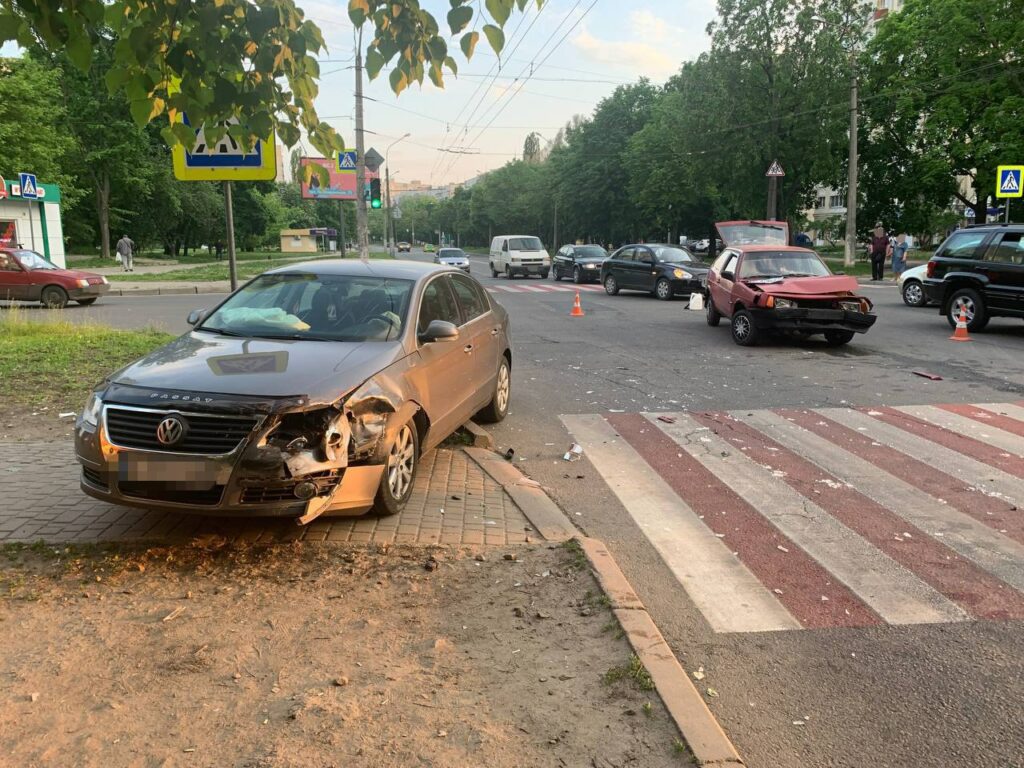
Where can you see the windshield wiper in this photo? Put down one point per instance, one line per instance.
(222, 332)
(293, 337)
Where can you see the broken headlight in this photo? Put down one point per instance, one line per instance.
(853, 306)
(785, 304)
(91, 412)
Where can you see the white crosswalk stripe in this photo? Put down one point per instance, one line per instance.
(727, 593)
(977, 430)
(887, 588)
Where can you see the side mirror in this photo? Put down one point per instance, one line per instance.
(728, 275)
(439, 330)
(196, 316)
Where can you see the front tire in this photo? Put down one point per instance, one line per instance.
(913, 294)
(974, 308)
(400, 466)
(611, 287)
(543, 275)
(838, 338)
(508, 274)
(714, 318)
(663, 290)
(54, 297)
(494, 272)
(577, 275)
(744, 332)
(497, 409)
(555, 274)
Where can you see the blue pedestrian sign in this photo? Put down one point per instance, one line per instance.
(29, 188)
(347, 161)
(1008, 181)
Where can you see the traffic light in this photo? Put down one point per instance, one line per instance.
(375, 193)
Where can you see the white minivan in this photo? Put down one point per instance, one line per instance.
(513, 255)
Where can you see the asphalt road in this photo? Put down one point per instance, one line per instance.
(882, 694)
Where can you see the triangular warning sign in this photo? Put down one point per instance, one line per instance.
(1011, 182)
(348, 161)
(775, 169)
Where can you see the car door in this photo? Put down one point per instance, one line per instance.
(478, 336)
(645, 269)
(722, 292)
(14, 281)
(621, 266)
(1003, 264)
(558, 264)
(445, 369)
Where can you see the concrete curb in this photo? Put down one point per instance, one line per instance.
(481, 437)
(163, 291)
(701, 732)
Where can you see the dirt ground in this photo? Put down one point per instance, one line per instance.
(298, 655)
(24, 422)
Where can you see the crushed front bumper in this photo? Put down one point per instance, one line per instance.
(812, 320)
(220, 485)
(89, 292)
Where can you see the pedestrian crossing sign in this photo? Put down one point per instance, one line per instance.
(225, 159)
(347, 161)
(1008, 181)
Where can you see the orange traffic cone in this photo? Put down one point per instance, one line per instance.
(960, 334)
(577, 310)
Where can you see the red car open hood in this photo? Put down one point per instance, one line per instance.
(802, 287)
(750, 232)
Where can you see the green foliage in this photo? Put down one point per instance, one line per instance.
(944, 95)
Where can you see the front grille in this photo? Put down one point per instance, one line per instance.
(211, 435)
(270, 493)
(94, 478)
(157, 491)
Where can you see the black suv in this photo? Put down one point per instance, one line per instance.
(980, 271)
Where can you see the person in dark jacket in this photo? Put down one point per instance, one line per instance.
(879, 250)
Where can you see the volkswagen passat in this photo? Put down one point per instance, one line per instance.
(313, 388)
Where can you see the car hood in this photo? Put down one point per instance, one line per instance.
(454, 260)
(320, 371)
(690, 266)
(803, 287)
(591, 259)
(72, 274)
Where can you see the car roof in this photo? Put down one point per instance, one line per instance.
(654, 245)
(394, 269)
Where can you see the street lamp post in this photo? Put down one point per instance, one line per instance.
(850, 247)
(389, 224)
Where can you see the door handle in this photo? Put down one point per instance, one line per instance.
(468, 349)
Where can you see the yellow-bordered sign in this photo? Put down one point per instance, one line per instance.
(1010, 181)
(225, 160)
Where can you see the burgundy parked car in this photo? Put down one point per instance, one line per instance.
(27, 276)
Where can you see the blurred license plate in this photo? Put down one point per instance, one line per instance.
(134, 467)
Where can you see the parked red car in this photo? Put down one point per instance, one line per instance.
(27, 276)
(762, 284)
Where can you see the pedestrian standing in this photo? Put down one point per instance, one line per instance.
(879, 249)
(899, 255)
(125, 249)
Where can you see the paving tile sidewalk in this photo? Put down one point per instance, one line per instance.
(453, 502)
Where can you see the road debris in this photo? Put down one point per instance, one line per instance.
(699, 674)
(926, 375)
(174, 614)
(667, 419)
(574, 453)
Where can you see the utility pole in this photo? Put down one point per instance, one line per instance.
(341, 227)
(389, 223)
(555, 245)
(230, 211)
(850, 252)
(362, 230)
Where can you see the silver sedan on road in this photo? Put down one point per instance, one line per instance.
(315, 387)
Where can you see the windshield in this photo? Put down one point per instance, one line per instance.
(766, 264)
(451, 253)
(591, 252)
(672, 255)
(525, 244)
(754, 232)
(32, 260)
(311, 307)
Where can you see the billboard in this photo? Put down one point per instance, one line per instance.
(341, 184)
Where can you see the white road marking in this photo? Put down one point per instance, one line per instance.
(985, 433)
(889, 589)
(995, 553)
(728, 595)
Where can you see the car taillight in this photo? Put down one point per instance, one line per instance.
(930, 269)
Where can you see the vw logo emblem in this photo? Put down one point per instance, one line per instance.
(170, 431)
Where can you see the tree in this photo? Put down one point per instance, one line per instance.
(945, 99)
(531, 148)
(32, 116)
(237, 66)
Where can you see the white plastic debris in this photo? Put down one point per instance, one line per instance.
(67, 415)
(574, 453)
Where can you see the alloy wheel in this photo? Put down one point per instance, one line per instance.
(913, 293)
(965, 304)
(504, 387)
(741, 327)
(401, 463)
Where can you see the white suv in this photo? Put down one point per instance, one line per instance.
(519, 255)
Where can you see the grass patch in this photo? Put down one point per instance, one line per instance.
(578, 558)
(457, 439)
(634, 672)
(57, 364)
(218, 270)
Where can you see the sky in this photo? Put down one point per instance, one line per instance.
(558, 62)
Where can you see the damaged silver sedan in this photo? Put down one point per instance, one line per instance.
(314, 388)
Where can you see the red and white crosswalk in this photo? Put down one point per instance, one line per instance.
(544, 288)
(832, 517)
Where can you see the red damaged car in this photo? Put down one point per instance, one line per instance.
(761, 284)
